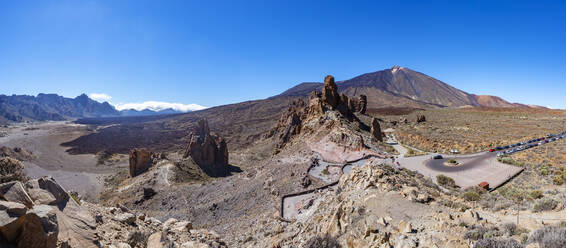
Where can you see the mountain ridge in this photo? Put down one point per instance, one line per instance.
(53, 107)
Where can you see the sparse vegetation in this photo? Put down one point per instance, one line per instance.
(549, 237)
(325, 241)
(536, 194)
(545, 205)
(445, 181)
(497, 243)
(471, 196)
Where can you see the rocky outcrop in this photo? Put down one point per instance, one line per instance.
(326, 109)
(207, 150)
(11, 169)
(376, 130)
(358, 105)
(140, 161)
(16, 153)
(421, 118)
(330, 92)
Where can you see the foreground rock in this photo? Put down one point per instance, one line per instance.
(207, 150)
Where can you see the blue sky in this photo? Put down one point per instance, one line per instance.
(218, 52)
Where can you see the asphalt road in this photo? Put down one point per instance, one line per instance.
(465, 162)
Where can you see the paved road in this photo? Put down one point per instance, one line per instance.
(472, 169)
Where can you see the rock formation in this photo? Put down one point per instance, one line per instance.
(358, 105)
(207, 150)
(330, 92)
(421, 118)
(321, 102)
(376, 129)
(362, 104)
(140, 161)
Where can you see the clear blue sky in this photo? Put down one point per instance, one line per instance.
(219, 52)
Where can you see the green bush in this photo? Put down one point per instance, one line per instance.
(558, 180)
(472, 196)
(445, 181)
(536, 194)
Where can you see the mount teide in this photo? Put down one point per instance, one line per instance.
(403, 87)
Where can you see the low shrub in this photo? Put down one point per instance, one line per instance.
(510, 228)
(536, 194)
(497, 243)
(544, 205)
(549, 237)
(471, 196)
(325, 241)
(445, 181)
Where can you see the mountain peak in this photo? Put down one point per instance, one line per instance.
(395, 68)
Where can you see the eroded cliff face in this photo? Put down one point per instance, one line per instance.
(207, 150)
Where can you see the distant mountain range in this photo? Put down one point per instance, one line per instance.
(403, 87)
(43, 107)
(394, 87)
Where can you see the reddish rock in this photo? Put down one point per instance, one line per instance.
(140, 161)
(330, 92)
(206, 149)
(376, 129)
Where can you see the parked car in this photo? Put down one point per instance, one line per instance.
(438, 157)
(499, 154)
(499, 148)
(491, 150)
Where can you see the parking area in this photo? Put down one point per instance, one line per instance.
(513, 148)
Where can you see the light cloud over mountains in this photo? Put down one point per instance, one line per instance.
(158, 106)
(151, 105)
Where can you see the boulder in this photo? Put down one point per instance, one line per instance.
(207, 150)
(40, 228)
(157, 240)
(12, 216)
(330, 92)
(421, 118)
(125, 218)
(140, 161)
(46, 190)
(376, 129)
(14, 191)
(76, 225)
